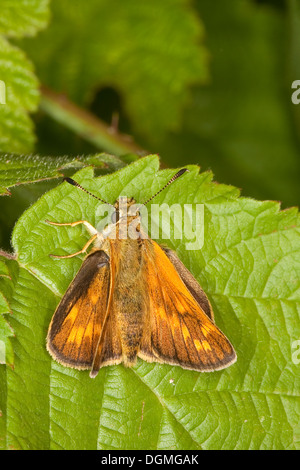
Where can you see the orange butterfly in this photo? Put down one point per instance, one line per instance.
(133, 298)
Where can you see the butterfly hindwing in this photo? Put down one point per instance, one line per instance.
(109, 350)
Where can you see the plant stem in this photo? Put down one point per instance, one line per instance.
(85, 124)
(7, 255)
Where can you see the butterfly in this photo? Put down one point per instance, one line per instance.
(134, 298)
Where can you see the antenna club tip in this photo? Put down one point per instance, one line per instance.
(70, 181)
(183, 170)
(180, 173)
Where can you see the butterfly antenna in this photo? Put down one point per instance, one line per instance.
(74, 183)
(178, 174)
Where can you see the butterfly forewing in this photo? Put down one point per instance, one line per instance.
(190, 282)
(180, 331)
(77, 323)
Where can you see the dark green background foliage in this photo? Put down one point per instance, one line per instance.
(199, 83)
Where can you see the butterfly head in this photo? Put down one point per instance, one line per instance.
(124, 207)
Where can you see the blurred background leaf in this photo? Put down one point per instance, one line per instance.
(213, 89)
(16, 71)
(241, 124)
(21, 89)
(149, 52)
(23, 17)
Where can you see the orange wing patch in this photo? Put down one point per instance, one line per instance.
(180, 332)
(77, 323)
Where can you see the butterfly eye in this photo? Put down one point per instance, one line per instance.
(115, 217)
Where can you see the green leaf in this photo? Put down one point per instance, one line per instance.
(20, 169)
(6, 332)
(2, 408)
(150, 52)
(249, 268)
(6, 355)
(23, 17)
(19, 84)
(21, 89)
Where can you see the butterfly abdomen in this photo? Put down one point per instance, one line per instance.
(129, 300)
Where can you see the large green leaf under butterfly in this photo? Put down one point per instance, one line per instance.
(249, 268)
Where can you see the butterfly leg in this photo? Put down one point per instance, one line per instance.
(88, 226)
(88, 243)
